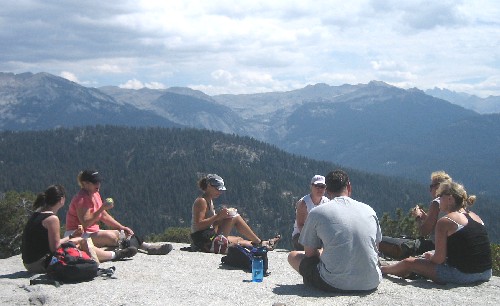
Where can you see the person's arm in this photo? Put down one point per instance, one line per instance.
(301, 214)
(311, 252)
(200, 208)
(427, 222)
(443, 227)
(87, 217)
(52, 225)
(107, 219)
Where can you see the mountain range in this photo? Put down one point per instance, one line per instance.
(373, 127)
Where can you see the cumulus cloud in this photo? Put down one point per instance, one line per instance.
(69, 76)
(255, 45)
(136, 84)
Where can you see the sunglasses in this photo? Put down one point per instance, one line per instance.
(435, 185)
(319, 186)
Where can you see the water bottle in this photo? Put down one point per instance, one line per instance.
(122, 236)
(257, 269)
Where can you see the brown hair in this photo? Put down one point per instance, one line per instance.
(50, 197)
(203, 183)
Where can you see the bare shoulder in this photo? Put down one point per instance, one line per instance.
(200, 203)
(447, 221)
(53, 219)
(300, 203)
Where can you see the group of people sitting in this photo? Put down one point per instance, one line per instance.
(41, 234)
(337, 244)
(336, 238)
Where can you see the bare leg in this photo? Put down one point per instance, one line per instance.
(105, 238)
(294, 259)
(403, 268)
(226, 225)
(103, 255)
(87, 246)
(233, 240)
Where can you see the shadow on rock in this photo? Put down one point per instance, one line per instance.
(16, 275)
(306, 291)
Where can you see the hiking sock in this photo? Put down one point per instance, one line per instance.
(145, 246)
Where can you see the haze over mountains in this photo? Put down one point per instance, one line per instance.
(372, 127)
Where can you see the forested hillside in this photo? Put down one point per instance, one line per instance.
(152, 174)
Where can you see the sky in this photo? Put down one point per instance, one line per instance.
(251, 46)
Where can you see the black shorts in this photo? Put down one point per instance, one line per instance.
(308, 268)
(295, 241)
(203, 239)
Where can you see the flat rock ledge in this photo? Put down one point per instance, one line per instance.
(191, 278)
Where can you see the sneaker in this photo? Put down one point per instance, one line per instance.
(125, 253)
(163, 249)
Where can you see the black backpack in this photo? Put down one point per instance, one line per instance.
(241, 257)
(70, 264)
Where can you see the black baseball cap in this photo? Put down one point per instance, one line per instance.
(90, 176)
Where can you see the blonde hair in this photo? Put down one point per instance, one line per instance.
(79, 179)
(457, 191)
(440, 177)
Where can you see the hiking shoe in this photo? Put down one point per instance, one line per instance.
(125, 253)
(163, 249)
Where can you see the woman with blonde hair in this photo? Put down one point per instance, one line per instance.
(462, 254)
(426, 221)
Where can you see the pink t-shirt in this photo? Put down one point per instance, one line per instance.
(83, 200)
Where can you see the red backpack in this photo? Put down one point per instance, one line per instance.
(70, 264)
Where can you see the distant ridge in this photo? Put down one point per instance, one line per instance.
(152, 174)
(373, 127)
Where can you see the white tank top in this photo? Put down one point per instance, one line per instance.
(310, 205)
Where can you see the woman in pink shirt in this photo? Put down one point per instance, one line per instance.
(87, 209)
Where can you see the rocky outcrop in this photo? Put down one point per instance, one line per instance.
(186, 278)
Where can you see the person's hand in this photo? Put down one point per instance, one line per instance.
(428, 255)
(77, 241)
(418, 212)
(108, 204)
(129, 232)
(78, 232)
(223, 213)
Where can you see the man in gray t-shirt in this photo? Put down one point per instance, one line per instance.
(340, 241)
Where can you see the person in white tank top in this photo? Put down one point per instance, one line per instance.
(304, 206)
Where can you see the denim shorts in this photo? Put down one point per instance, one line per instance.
(446, 274)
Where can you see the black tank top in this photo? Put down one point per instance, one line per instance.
(35, 243)
(468, 249)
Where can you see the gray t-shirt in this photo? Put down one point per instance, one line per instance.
(349, 233)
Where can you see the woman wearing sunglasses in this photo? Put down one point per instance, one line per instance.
(463, 254)
(304, 206)
(207, 224)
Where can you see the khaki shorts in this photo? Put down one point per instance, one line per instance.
(39, 266)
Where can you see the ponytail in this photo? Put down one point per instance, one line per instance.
(203, 183)
(39, 202)
(50, 197)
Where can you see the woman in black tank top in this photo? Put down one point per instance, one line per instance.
(463, 254)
